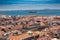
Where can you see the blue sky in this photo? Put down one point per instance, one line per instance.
(28, 4)
(29, 1)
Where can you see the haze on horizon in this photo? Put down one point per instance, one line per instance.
(9, 5)
(29, 7)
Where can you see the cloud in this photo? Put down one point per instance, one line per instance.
(29, 7)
